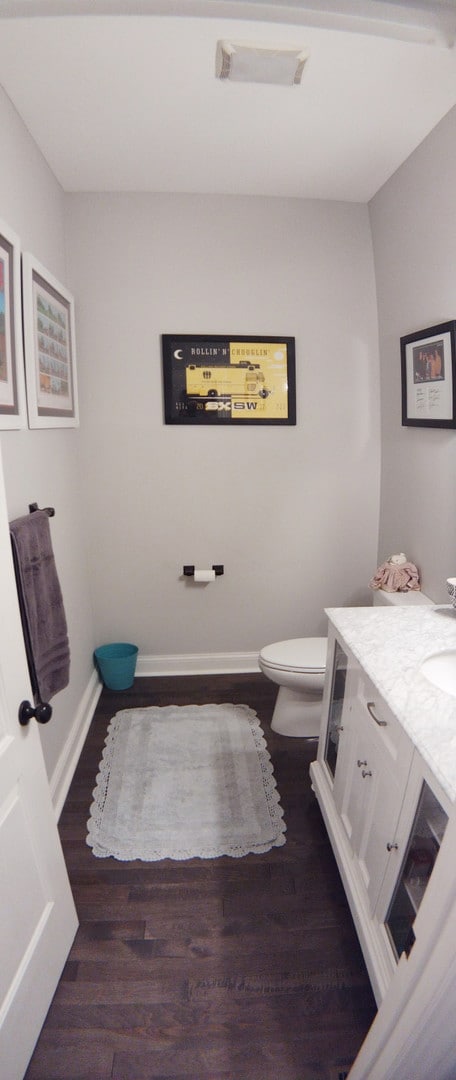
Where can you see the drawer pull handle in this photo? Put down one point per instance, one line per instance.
(371, 707)
(359, 763)
(391, 847)
(366, 772)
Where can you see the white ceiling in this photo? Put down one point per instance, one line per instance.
(130, 102)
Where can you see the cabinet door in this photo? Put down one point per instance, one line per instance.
(380, 816)
(373, 766)
(335, 706)
(420, 832)
(352, 788)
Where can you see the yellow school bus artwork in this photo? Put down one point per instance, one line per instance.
(228, 380)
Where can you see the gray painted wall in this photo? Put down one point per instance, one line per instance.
(43, 466)
(291, 512)
(414, 235)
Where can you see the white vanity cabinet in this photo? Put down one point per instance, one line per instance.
(384, 812)
(374, 762)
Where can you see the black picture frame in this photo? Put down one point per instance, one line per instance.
(12, 382)
(235, 379)
(428, 377)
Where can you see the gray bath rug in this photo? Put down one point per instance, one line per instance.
(185, 781)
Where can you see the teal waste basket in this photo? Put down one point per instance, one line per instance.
(117, 664)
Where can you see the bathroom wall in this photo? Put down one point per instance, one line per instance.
(291, 512)
(414, 236)
(43, 466)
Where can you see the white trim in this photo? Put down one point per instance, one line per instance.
(64, 770)
(198, 664)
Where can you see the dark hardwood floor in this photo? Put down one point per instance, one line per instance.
(224, 969)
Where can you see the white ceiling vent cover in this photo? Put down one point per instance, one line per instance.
(253, 63)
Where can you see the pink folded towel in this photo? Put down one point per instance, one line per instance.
(393, 578)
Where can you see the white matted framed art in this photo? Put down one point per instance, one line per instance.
(50, 348)
(12, 386)
(428, 376)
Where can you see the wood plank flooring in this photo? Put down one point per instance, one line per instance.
(224, 969)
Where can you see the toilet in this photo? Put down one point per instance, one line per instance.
(298, 668)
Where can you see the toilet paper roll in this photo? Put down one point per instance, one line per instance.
(204, 575)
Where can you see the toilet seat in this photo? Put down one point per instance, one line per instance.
(297, 654)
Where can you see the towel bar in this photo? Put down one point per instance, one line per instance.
(49, 510)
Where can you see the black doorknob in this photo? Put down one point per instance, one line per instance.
(42, 712)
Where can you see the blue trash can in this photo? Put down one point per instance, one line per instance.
(117, 664)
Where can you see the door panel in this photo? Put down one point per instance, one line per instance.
(37, 914)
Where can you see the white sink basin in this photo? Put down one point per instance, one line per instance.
(440, 669)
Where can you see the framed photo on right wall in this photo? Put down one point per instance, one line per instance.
(428, 360)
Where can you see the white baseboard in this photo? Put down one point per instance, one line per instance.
(69, 757)
(199, 664)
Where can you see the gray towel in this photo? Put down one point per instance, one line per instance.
(41, 603)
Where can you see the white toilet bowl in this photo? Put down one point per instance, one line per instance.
(298, 668)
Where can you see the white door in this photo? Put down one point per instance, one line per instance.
(37, 915)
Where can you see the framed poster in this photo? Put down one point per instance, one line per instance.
(232, 379)
(50, 351)
(12, 388)
(428, 377)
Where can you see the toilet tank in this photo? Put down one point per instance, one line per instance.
(405, 599)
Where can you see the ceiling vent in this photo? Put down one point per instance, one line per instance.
(253, 63)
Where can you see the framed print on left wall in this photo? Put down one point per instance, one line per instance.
(50, 348)
(12, 391)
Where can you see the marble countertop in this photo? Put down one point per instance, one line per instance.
(390, 644)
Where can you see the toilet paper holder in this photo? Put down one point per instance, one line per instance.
(189, 571)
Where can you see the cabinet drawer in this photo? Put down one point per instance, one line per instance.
(390, 735)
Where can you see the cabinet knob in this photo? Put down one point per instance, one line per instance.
(366, 772)
(359, 763)
(339, 728)
(391, 847)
